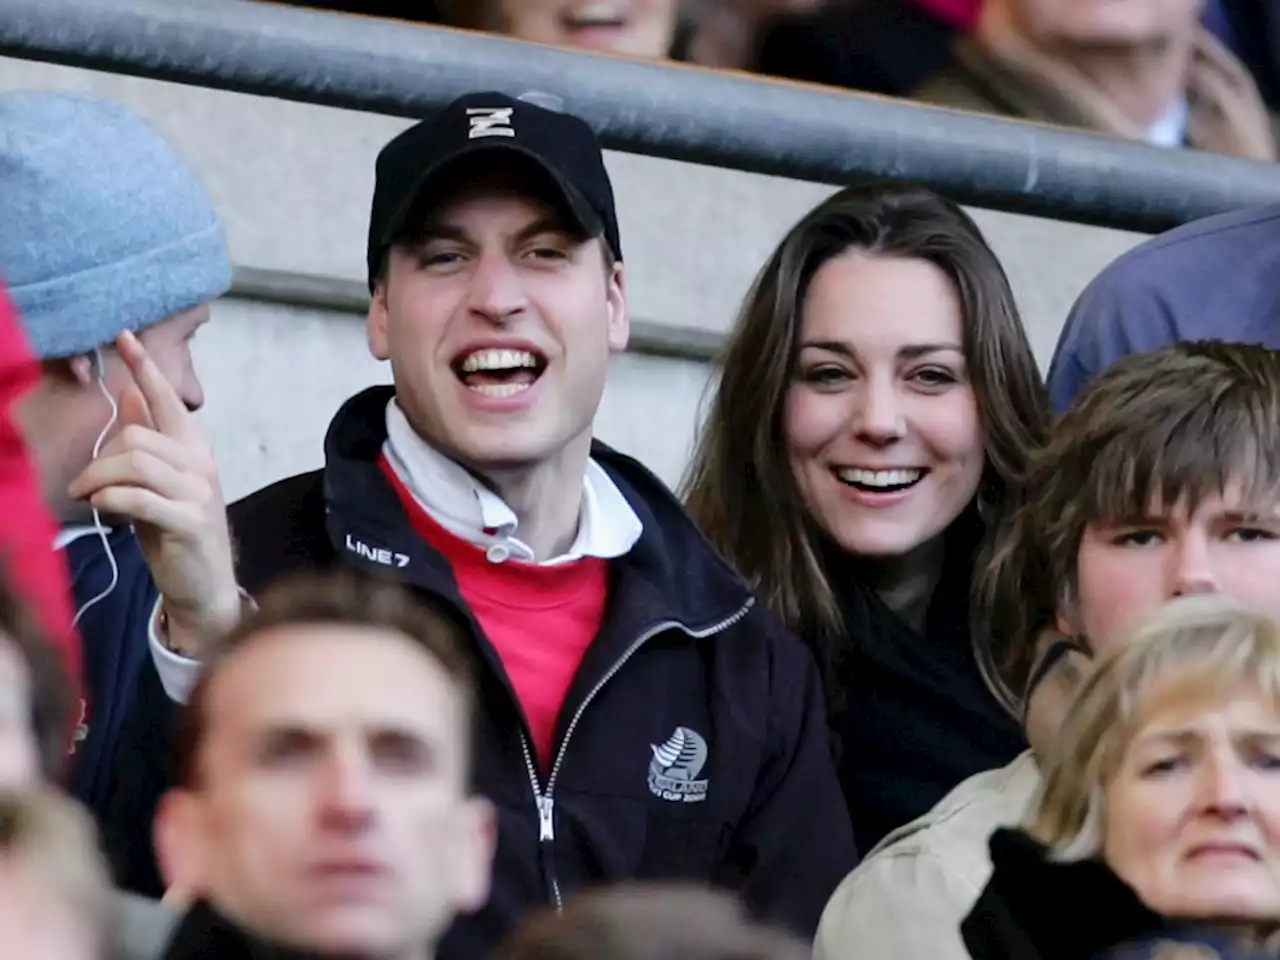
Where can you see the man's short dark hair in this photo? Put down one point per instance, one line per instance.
(335, 598)
(50, 689)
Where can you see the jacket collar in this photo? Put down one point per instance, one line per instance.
(1047, 898)
(672, 566)
(1067, 911)
(205, 932)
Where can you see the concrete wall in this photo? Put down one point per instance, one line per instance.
(294, 182)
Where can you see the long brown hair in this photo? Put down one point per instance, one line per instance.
(740, 487)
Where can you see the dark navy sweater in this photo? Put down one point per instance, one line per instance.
(116, 655)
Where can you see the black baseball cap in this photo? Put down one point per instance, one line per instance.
(561, 145)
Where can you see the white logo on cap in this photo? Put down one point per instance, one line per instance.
(490, 122)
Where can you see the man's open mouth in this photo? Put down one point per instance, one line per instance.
(498, 372)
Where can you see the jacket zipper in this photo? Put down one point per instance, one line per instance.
(544, 800)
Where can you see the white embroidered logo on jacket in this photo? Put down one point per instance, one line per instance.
(675, 766)
(382, 555)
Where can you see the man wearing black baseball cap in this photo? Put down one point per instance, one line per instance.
(640, 715)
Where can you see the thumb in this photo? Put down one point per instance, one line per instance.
(134, 409)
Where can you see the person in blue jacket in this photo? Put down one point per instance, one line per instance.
(112, 253)
(642, 715)
(1211, 279)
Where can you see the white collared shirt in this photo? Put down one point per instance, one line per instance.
(70, 534)
(607, 526)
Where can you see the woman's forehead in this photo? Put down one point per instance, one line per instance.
(1191, 706)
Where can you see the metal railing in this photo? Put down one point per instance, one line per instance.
(684, 113)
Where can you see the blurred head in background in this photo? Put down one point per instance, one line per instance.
(650, 922)
(1100, 23)
(35, 699)
(643, 28)
(55, 889)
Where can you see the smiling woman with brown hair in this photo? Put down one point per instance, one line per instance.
(877, 405)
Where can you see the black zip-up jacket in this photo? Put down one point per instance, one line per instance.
(205, 933)
(687, 670)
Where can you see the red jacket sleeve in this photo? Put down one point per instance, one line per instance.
(27, 527)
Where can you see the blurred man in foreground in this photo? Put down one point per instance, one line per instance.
(323, 801)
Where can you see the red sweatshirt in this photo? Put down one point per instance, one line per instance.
(540, 619)
(27, 527)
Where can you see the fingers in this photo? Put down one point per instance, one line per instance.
(1212, 81)
(1230, 120)
(148, 507)
(134, 468)
(134, 410)
(1227, 88)
(145, 440)
(168, 412)
(1219, 59)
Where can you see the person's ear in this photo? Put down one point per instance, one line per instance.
(376, 321)
(1064, 623)
(1066, 615)
(619, 317)
(182, 845)
(473, 861)
(83, 368)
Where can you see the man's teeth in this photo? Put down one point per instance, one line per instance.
(881, 478)
(499, 360)
(499, 389)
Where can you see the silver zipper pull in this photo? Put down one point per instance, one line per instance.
(546, 819)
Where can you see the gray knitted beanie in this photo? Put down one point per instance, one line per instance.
(103, 227)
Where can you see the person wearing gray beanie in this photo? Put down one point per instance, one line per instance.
(112, 253)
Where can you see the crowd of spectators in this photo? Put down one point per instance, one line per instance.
(1195, 73)
(928, 656)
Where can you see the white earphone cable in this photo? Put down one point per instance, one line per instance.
(98, 525)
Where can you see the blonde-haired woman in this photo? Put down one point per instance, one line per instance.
(1158, 830)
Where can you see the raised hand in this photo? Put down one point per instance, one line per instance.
(159, 472)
